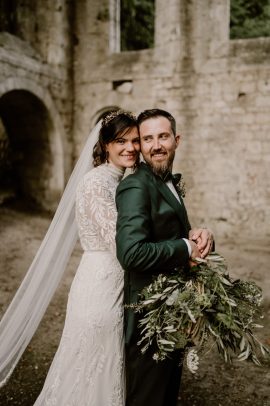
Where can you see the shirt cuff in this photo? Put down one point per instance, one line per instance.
(188, 245)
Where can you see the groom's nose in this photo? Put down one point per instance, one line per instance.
(156, 144)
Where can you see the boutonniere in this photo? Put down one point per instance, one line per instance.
(179, 184)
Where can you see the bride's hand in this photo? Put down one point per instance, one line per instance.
(195, 253)
(204, 238)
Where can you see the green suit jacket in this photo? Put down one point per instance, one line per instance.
(150, 227)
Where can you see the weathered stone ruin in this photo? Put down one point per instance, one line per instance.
(61, 68)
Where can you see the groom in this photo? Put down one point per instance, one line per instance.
(153, 236)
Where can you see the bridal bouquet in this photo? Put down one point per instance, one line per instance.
(200, 307)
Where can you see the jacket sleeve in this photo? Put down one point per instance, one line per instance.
(135, 250)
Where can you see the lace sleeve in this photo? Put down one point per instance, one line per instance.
(96, 214)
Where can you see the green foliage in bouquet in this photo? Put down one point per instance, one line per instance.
(199, 307)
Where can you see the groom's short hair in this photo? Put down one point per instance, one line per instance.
(154, 113)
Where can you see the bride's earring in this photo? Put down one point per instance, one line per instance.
(107, 158)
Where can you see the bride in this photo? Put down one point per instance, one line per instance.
(88, 367)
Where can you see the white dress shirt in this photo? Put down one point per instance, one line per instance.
(173, 190)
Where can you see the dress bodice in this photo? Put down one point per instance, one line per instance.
(96, 212)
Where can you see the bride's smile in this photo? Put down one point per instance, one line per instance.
(124, 150)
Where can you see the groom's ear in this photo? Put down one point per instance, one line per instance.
(177, 139)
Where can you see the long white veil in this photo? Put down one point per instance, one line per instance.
(31, 300)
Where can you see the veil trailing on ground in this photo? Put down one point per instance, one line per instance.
(30, 302)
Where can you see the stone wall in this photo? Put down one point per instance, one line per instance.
(61, 57)
(227, 154)
(36, 96)
(218, 90)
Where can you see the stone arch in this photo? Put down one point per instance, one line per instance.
(101, 112)
(36, 136)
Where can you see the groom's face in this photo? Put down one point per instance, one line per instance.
(158, 143)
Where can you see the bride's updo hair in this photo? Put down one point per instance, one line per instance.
(113, 124)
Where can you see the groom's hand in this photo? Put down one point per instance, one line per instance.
(204, 239)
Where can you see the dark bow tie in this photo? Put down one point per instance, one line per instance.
(174, 178)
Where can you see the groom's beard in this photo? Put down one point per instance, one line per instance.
(162, 168)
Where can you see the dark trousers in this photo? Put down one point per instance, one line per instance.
(151, 383)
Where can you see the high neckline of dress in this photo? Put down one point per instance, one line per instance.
(116, 172)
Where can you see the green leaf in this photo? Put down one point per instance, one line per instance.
(207, 307)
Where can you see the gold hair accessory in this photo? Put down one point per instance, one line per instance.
(116, 113)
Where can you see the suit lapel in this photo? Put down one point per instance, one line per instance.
(171, 199)
(168, 196)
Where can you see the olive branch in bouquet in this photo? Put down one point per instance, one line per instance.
(198, 308)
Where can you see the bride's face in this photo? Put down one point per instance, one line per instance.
(124, 150)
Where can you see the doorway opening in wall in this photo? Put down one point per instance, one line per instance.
(137, 24)
(25, 152)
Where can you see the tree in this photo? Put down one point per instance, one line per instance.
(250, 18)
(137, 24)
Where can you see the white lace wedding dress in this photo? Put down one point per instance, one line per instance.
(88, 368)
